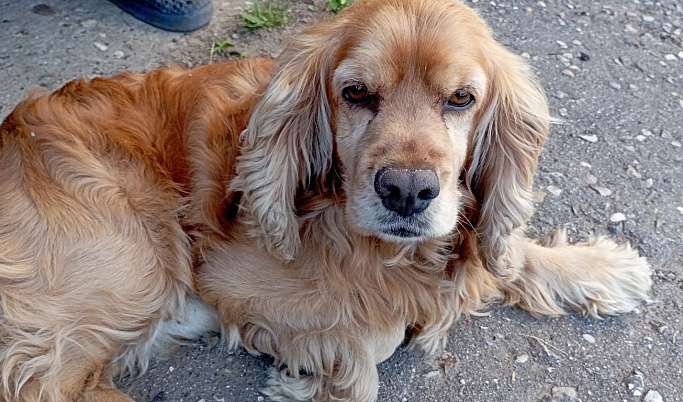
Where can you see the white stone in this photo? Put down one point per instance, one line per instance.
(588, 338)
(605, 192)
(100, 46)
(554, 190)
(589, 138)
(521, 359)
(652, 396)
(89, 23)
(615, 217)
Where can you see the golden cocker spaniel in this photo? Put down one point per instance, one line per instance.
(375, 178)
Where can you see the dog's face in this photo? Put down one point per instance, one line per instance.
(405, 96)
(409, 102)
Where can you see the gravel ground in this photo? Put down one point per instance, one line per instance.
(613, 71)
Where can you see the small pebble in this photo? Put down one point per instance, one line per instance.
(538, 195)
(677, 144)
(649, 182)
(118, 54)
(631, 29)
(648, 18)
(615, 85)
(633, 172)
(89, 23)
(554, 190)
(568, 73)
(680, 54)
(561, 44)
(590, 179)
(564, 394)
(587, 337)
(100, 46)
(670, 57)
(171, 369)
(652, 396)
(615, 217)
(431, 374)
(605, 192)
(635, 384)
(521, 359)
(589, 138)
(43, 9)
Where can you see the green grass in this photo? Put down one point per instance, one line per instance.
(337, 5)
(219, 46)
(269, 14)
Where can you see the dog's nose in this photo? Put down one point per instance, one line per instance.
(406, 191)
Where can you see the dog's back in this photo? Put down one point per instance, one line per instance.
(100, 181)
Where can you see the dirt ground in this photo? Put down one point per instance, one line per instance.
(613, 71)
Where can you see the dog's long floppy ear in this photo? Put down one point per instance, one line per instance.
(288, 144)
(510, 134)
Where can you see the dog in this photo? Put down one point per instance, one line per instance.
(364, 190)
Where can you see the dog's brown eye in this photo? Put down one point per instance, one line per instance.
(356, 94)
(460, 99)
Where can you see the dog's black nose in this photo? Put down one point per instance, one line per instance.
(406, 191)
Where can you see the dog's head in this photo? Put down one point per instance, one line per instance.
(408, 102)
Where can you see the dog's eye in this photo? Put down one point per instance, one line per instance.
(460, 100)
(356, 94)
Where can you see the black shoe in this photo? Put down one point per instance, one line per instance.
(170, 15)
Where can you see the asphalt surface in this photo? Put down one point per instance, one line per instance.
(613, 71)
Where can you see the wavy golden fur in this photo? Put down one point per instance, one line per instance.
(376, 177)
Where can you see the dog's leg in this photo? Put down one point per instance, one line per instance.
(595, 278)
(104, 392)
(352, 381)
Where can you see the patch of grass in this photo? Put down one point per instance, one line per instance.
(219, 46)
(336, 6)
(269, 14)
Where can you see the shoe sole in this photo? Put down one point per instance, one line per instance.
(168, 22)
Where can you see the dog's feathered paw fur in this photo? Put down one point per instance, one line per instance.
(598, 277)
